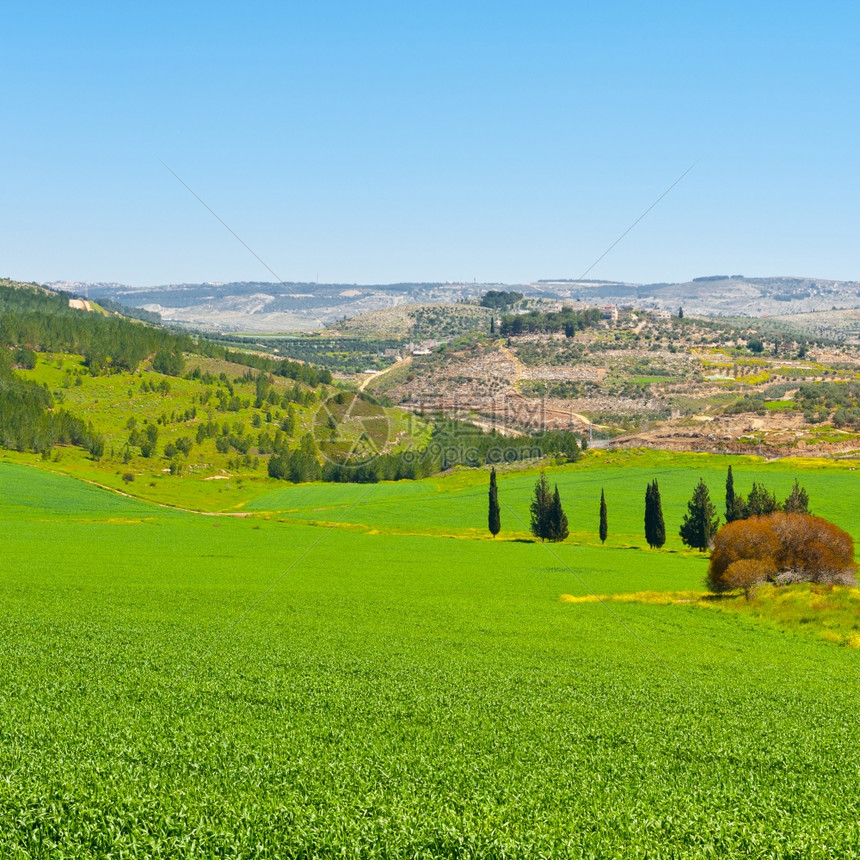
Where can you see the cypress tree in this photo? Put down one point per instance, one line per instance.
(655, 528)
(494, 521)
(540, 507)
(649, 514)
(557, 519)
(701, 521)
(730, 497)
(604, 527)
(736, 504)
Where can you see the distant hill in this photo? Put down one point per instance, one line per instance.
(720, 295)
(418, 322)
(259, 306)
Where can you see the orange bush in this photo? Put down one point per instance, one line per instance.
(747, 573)
(781, 548)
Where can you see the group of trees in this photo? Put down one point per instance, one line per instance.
(43, 321)
(761, 501)
(36, 320)
(29, 421)
(780, 546)
(452, 443)
(307, 374)
(569, 321)
(548, 520)
(500, 299)
(763, 540)
(340, 354)
(701, 521)
(699, 526)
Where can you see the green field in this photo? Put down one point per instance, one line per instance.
(359, 671)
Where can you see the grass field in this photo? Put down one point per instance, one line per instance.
(387, 684)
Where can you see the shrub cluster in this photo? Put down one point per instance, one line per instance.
(781, 548)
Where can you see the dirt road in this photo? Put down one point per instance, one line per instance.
(370, 378)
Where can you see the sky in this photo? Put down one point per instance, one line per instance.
(382, 142)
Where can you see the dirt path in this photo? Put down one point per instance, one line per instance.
(518, 365)
(169, 507)
(402, 363)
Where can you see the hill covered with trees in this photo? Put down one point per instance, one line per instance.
(143, 400)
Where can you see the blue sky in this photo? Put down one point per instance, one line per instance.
(380, 142)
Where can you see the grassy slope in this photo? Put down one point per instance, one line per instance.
(457, 503)
(109, 401)
(182, 685)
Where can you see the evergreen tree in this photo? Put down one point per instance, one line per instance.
(604, 526)
(540, 508)
(655, 528)
(730, 497)
(701, 521)
(760, 502)
(494, 521)
(736, 504)
(797, 501)
(556, 519)
(680, 313)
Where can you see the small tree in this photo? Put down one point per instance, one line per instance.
(604, 525)
(761, 502)
(736, 505)
(701, 521)
(540, 507)
(494, 522)
(655, 528)
(556, 519)
(797, 501)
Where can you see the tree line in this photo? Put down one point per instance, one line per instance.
(43, 321)
(568, 320)
(699, 526)
(452, 443)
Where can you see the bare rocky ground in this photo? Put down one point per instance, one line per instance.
(645, 383)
